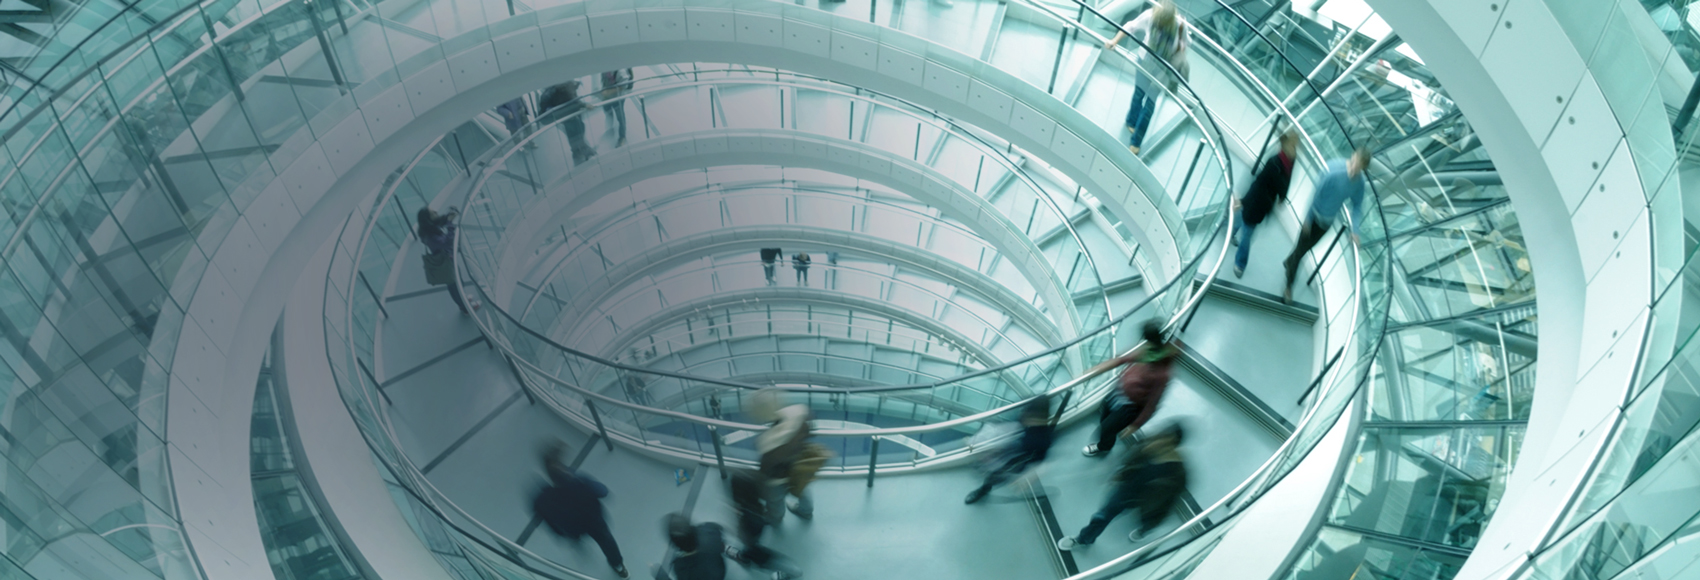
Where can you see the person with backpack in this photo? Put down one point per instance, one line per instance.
(1163, 31)
(1151, 480)
(614, 84)
(1268, 188)
(437, 232)
(1030, 449)
(1138, 391)
(571, 505)
(698, 550)
(789, 460)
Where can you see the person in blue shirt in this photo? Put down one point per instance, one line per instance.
(1341, 185)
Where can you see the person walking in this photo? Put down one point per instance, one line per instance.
(1035, 443)
(564, 98)
(800, 262)
(770, 262)
(1139, 389)
(437, 232)
(514, 115)
(1269, 187)
(1163, 31)
(1151, 480)
(1342, 183)
(614, 84)
(698, 550)
(750, 497)
(788, 459)
(571, 506)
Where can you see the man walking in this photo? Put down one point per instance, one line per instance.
(1342, 183)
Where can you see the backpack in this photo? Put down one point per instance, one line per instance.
(808, 464)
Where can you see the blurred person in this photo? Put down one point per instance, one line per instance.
(750, 497)
(514, 115)
(1267, 188)
(789, 460)
(1342, 183)
(614, 84)
(1150, 480)
(698, 551)
(1139, 389)
(564, 97)
(571, 505)
(1030, 449)
(437, 232)
(1164, 33)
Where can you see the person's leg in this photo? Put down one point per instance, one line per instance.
(605, 540)
(620, 119)
(805, 506)
(1135, 108)
(1099, 521)
(1309, 234)
(454, 293)
(1146, 111)
(1112, 424)
(776, 503)
(1244, 253)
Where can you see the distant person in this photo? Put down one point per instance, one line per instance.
(699, 551)
(1029, 450)
(437, 232)
(1268, 188)
(1342, 183)
(789, 460)
(1164, 33)
(1151, 480)
(770, 261)
(1139, 389)
(514, 115)
(637, 389)
(614, 84)
(800, 262)
(832, 269)
(751, 499)
(572, 506)
(564, 98)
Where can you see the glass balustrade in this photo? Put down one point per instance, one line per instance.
(167, 155)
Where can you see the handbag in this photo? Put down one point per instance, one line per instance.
(439, 268)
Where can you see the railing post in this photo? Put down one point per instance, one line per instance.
(719, 457)
(374, 293)
(1185, 181)
(873, 459)
(597, 417)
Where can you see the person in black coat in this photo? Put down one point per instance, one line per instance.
(571, 506)
(1030, 449)
(699, 550)
(1269, 187)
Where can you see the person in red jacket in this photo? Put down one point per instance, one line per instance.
(1141, 387)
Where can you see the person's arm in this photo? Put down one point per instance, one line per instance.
(1137, 26)
(595, 486)
(1111, 364)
